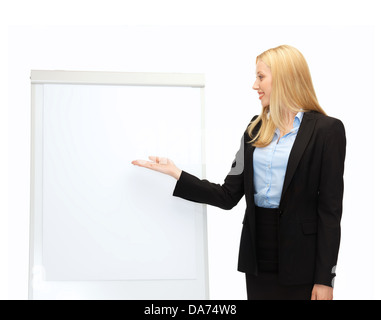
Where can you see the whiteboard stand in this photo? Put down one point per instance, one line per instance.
(101, 228)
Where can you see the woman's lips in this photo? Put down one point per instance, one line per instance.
(261, 95)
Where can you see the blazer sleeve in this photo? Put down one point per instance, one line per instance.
(331, 189)
(224, 196)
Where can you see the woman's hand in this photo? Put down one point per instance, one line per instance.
(322, 292)
(163, 165)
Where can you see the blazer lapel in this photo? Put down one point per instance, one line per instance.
(303, 137)
(249, 181)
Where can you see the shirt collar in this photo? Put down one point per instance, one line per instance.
(298, 119)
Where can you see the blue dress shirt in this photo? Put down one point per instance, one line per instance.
(270, 164)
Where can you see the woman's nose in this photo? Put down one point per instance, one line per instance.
(255, 85)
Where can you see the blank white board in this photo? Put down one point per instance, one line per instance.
(102, 228)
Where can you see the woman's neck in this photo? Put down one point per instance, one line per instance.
(290, 117)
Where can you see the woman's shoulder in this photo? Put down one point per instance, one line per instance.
(323, 119)
(246, 133)
(325, 122)
(255, 117)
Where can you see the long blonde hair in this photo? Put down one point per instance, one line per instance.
(292, 90)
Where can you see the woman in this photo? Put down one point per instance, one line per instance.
(290, 168)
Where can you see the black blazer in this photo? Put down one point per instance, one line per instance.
(310, 207)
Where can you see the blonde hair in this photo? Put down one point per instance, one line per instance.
(292, 90)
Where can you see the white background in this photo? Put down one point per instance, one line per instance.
(221, 40)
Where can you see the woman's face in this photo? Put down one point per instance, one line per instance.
(263, 83)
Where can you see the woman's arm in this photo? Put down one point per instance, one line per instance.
(224, 196)
(331, 190)
(189, 187)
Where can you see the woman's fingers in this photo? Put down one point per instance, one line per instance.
(154, 160)
(158, 160)
(141, 163)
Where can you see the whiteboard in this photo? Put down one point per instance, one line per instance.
(102, 228)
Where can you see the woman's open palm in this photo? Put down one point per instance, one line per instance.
(160, 164)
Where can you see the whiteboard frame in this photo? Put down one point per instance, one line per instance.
(38, 79)
(195, 80)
